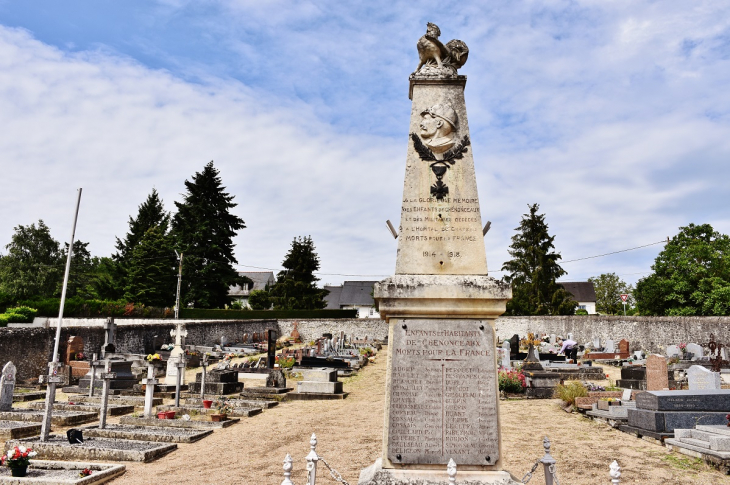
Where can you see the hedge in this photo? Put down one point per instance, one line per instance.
(203, 314)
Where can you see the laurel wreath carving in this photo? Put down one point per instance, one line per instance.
(438, 167)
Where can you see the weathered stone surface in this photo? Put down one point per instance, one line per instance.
(276, 379)
(319, 387)
(442, 393)
(375, 474)
(47, 472)
(656, 373)
(700, 378)
(718, 400)
(7, 386)
(147, 433)
(668, 421)
(59, 418)
(319, 375)
(18, 429)
(58, 448)
(177, 423)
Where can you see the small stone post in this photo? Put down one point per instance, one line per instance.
(107, 375)
(548, 462)
(92, 364)
(451, 471)
(312, 460)
(149, 394)
(52, 380)
(287, 470)
(615, 473)
(204, 364)
(180, 371)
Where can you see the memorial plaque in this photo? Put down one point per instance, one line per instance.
(718, 400)
(701, 379)
(443, 401)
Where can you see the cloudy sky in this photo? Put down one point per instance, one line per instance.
(613, 115)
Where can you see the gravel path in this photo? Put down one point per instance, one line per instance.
(350, 438)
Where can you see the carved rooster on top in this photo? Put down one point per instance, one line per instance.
(430, 49)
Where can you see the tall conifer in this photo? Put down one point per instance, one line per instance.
(534, 269)
(296, 286)
(204, 229)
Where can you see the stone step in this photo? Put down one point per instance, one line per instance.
(717, 429)
(695, 442)
(701, 435)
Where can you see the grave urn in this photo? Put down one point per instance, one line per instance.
(218, 417)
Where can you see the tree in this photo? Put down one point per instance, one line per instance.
(691, 275)
(259, 300)
(609, 288)
(81, 273)
(534, 269)
(295, 287)
(204, 229)
(33, 266)
(151, 272)
(151, 213)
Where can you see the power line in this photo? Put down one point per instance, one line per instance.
(614, 252)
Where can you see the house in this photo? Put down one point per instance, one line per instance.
(260, 279)
(583, 292)
(356, 295)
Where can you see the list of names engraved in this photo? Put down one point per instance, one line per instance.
(443, 401)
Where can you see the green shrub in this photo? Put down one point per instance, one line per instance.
(568, 392)
(581, 311)
(26, 314)
(4, 319)
(511, 381)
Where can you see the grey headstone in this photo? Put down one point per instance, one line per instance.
(610, 347)
(696, 350)
(701, 379)
(553, 338)
(7, 386)
(673, 351)
(224, 341)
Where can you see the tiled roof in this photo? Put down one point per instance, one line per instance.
(582, 291)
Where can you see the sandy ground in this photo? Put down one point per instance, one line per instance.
(350, 438)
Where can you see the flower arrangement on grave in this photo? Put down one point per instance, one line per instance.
(153, 357)
(84, 473)
(511, 381)
(222, 406)
(18, 459)
(285, 362)
(593, 387)
(367, 352)
(683, 349)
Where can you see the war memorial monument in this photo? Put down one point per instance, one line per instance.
(441, 385)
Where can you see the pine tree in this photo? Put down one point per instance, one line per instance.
(151, 214)
(534, 270)
(204, 229)
(295, 287)
(151, 277)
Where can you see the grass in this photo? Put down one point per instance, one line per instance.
(568, 392)
(685, 462)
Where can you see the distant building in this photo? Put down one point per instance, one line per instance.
(583, 292)
(353, 295)
(260, 280)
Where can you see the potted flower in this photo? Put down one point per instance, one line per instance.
(84, 473)
(207, 403)
(222, 409)
(18, 459)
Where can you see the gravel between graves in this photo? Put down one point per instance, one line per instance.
(152, 430)
(350, 438)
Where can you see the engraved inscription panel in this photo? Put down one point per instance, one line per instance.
(443, 401)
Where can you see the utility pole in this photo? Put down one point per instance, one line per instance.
(179, 279)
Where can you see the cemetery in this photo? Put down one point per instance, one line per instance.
(436, 393)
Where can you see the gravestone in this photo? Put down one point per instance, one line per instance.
(702, 379)
(276, 379)
(673, 351)
(610, 348)
(656, 373)
(441, 377)
(696, 350)
(597, 343)
(177, 354)
(224, 341)
(623, 347)
(553, 338)
(638, 355)
(514, 345)
(7, 386)
(110, 331)
(271, 348)
(295, 332)
(74, 345)
(506, 354)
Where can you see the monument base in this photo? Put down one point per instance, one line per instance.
(375, 474)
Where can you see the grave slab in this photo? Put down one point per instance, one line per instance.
(47, 472)
(112, 410)
(18, 429)
(236, 412)
(58, 448)
(319, 387)
(118, 400)
(254, 403)
(177, 423)
(28, 396)
(718, 400)
(147, 433)
(59, 418)
(668, 421)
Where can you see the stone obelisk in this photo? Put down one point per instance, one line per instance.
(441, 392)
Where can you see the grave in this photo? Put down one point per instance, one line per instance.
(118, 400)
(262, 403)
(657, 377)
(7, 386)
(219, 382)
(113, 410)
(79, 366)
(673, 351)
(18, 429)
(48, 472)
(125, 378)
(24, 394)
(700, 379)
(441, 379)
(176, 423)
(659, 413)
(696, 350)
(710, 443)
(58, 448)
(58, 418)
(318, 384)
(238, 409)
(147, 433)
(176, 355)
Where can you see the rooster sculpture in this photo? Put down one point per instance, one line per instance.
(430, 50)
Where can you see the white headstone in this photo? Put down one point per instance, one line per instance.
(610, 348)
(505, 360)
(696, 350)
(553, 338)
(597, 343)
(570, 336)
(626, 396)
(638, 355)
(673, 351)
(224, 341)
(702, 379)
(7, 386)
(537, 353)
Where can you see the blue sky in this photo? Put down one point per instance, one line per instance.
(613, 116)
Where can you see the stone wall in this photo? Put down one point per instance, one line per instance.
(643, 333)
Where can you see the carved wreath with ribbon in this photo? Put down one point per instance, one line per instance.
(439, 167)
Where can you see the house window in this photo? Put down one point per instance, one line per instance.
(372, 311)
(581, 307)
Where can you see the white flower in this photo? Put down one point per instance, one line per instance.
(22, 448)
(11, 453)
(32, 454)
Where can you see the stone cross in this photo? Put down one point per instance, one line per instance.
(180, 374)
(149, 394)
(107, 375)
(204, 365)
(52, 379)
(93, 365)
(7, 386)
(177, 354)
(271, 348)
(110, 330)
(178, 333)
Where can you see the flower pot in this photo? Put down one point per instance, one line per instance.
(170, 414)
(218, 417)
(19, 471)
(162, 415)
(207, 403)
